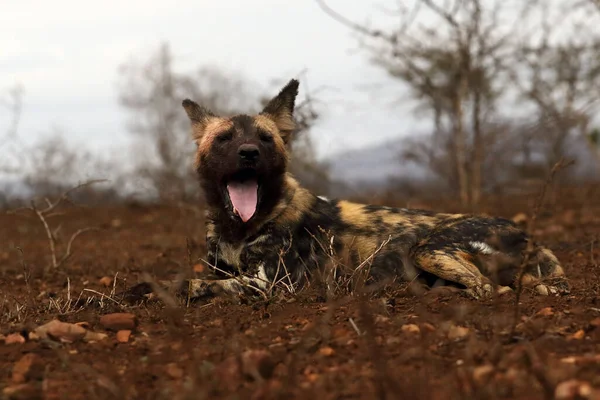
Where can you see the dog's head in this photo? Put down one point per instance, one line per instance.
(242, 160)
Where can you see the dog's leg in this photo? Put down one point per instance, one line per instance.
(454, 266)
(545, 274)
(254, 284)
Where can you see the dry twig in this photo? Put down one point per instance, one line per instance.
(49, 211)
(531, 225)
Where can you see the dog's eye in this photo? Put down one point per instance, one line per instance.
(225, 137)
(265, 137)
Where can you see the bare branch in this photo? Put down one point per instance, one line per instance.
(532, 224)
(68, 253)
(43, 214)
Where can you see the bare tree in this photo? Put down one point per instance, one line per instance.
(9, 143)
(152, 92)
(455, 64)
(559, 75)
(48, 166)
(13, 104)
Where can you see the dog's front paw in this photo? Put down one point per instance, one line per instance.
(197, 289)
(135, 293)
(483, 291)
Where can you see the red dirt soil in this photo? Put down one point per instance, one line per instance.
(401, 344)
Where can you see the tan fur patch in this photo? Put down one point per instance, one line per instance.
(269, 125)
(364, 246)
(301, 202)
(214, 127)
(284, 122)
(210, 231)
(354, 214)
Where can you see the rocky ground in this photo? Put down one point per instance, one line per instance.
(400, 344)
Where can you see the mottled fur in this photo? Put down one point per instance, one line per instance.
(294, 232)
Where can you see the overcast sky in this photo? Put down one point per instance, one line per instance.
(66, 53)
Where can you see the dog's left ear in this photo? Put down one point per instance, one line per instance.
(198, 115)
(281, 109)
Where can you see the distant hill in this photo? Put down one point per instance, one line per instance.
(372, 167)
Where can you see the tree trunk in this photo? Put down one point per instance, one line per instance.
(459, 142)
(478, 151)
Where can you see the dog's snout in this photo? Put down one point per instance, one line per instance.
(248, 152)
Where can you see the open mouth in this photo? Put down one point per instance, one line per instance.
(242, 190)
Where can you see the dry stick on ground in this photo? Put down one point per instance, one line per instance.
(188, 246)
(531, 225)
(44, 213)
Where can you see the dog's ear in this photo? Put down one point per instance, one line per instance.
(281, 109)
(198, 115)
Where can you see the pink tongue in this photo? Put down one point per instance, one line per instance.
(244, 198)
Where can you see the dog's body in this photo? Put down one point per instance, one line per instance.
(262, 227)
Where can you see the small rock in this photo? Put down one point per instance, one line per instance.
(410, 328)
(23, 369)
(554, 229)
(61, 331)
(572, 389)
(580, 334)
(199, 268)
(545, 312)
(174, 371)
(14, 338)
(570, 360)
(22, 391)
(106, 281)
(595, 322)
(123, 336)
(426, 326)
(176, 346)
(326, 351)
(483, 373)
(119, 321)
(585, 359)
(457, 332)
(217, 323)
(94, 336)
(380, 319)
(392, 340)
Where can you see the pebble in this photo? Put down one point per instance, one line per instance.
(119, 321)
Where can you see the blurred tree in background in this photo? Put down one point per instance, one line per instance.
(151, 91)
(497, 83)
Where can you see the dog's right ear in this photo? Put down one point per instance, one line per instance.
(198, 115)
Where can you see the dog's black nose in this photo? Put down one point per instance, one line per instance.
(248, 152)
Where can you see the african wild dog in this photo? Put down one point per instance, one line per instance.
(260, 219)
